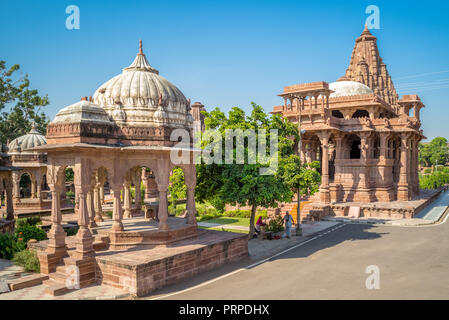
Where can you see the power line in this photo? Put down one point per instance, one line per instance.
(422, 75)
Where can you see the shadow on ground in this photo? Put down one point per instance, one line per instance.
(348, 232)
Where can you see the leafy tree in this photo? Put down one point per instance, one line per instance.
(435, 180)
(434, 152)
(302, 178)
(242, 183)
(69, 175)
(19, 105)
(177, 187)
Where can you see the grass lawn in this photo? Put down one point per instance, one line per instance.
(224, 229)
(230, 220)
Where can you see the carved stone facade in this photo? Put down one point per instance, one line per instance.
(6, 188)
(364, 137)
(33, 164)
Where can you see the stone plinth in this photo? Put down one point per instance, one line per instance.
(141, 271)
(387, 209)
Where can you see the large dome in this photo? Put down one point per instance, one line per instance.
(135, 95)
(348, 88)
(28, 141)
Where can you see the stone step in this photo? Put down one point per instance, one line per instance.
(61, 269)
(26, 282)
(55, 288)
(58, 276)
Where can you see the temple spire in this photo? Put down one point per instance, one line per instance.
(366, 31)
(140, 47)
(366, 66)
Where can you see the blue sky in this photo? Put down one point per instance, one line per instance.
(227, 53)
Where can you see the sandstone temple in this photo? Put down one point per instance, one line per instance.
(365, 137)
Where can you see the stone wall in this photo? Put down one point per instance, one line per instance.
(143, 278)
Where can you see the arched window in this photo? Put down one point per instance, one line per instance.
(360, 114)
(337, 114)
(25, 185)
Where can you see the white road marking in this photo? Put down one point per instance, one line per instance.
(251, 265)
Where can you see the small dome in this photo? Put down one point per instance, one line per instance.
(348, 88)
(28, 141)
(140, 90)
(82, 111)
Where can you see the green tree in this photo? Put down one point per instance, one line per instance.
(434, 152)
(177, 187)
(19, 105)
(302, 178)
(242, 183)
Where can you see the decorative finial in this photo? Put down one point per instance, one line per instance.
(140, 47)
(366, 30)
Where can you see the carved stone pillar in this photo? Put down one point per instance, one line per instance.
(308, 148)
(16, 186)
(150, 186)
(117, 213)
(9, 199)
(190, 180)
(33, 188)
(102, 193)
(403, 187)
(127, 199)
(383, 146)
(97, 203)
(91, 208)
(163, 207)
(417, 190)
(84, 239)
(56, 235)
(138, 193)
(324, 187)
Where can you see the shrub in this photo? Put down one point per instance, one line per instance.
(108, 213)
(276, 224)
(9, 245)
(27, 232)
(28, 260)
(70, 194)
(31, 221)
(434, 180)
(72, 231)
(238, 213)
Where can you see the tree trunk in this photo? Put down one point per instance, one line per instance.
(298, 213)
(251, 221)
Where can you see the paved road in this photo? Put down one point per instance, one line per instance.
(413, 264)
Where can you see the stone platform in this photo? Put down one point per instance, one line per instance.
(158, 260)
(381, 210)
(142, 270)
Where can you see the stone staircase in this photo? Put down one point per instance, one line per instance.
(74, 273)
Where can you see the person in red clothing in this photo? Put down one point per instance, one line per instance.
(259, 224)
